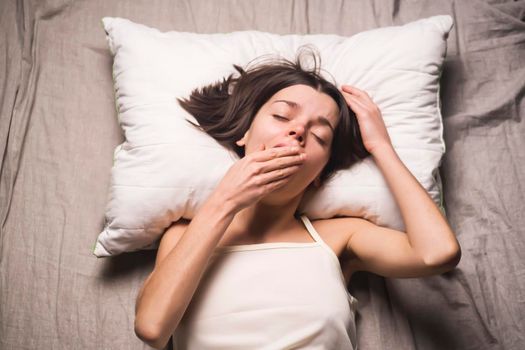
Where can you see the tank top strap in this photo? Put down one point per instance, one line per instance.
(311, 229)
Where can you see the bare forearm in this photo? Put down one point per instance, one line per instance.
(428, 231)
(169, 289)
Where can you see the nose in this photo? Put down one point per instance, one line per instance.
(297, 132)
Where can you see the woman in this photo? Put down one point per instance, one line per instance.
(248, 272)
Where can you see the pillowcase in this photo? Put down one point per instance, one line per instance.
(165, 169)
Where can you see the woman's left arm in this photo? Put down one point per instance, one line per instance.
(428, 231)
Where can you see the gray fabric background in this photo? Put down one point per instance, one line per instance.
(58, 130)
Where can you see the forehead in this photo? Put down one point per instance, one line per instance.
(308, 99)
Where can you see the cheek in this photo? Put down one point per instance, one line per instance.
(315, 162)
(266, 134)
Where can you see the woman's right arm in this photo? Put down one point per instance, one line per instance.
(169, 289)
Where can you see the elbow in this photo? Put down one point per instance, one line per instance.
(150, 328)
(149, 336)
(445, 261)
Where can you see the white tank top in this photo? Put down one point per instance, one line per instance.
(280, 295)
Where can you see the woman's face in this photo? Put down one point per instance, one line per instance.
(296, 115)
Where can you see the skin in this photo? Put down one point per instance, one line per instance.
(279, 123)
(256, 200)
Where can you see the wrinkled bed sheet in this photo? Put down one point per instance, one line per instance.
(58, 130)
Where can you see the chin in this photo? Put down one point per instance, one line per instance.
(282, 195)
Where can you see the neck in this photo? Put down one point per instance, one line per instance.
(263, 218)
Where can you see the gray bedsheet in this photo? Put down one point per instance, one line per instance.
(58, 129)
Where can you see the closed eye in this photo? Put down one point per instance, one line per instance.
(279, 117)
(321, 141)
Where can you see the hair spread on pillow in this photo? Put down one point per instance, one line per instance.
(226, 109)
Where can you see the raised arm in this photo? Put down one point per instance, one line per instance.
(429, 245)
(427, 229)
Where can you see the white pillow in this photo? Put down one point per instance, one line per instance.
(165, 168)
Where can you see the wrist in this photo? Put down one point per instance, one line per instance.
(218, 205)
(383, 150)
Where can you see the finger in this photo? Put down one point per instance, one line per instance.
(277, 184)
(273, 153)
(355, 91)
(281, 163)
(354, 103)
(352, 89)
(270, 187)
(357, 101)
(277, 175)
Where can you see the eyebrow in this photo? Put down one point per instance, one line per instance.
(320, 118)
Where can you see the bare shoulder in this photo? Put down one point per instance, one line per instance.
(344, 225)
(337, 233)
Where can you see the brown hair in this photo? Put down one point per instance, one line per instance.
(226, 109)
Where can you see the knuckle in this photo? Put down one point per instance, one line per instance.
(278, 183)
(255, 169)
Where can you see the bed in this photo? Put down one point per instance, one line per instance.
(58, 130)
